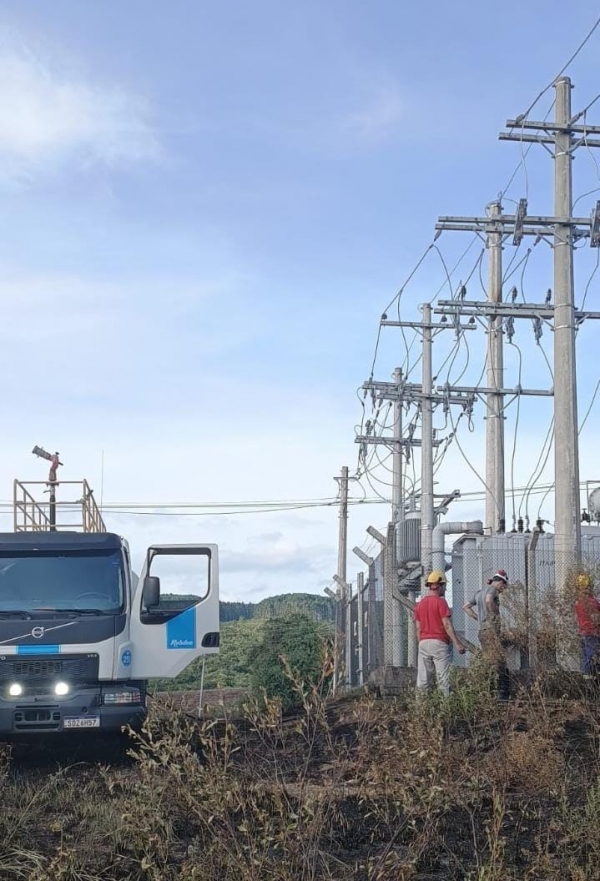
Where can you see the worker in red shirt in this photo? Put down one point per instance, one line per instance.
(587, 610)
(435, 634)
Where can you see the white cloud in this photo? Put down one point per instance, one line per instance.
(48, 117)
(379, 118)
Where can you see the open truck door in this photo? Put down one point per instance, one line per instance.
(164, 640)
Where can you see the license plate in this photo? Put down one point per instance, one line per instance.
(81, 722)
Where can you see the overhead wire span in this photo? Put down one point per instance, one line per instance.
(588, 193)
(588, 36)
(538, 469)
(520, 120)
(397, 297)
(589, 409)
(523, 161)
(452, 296)
(585, 138)
(587, 107)
(449, 275)
(544, 497)
(507, 272)
(452, 356)
(590, 279)
(581, 427)
(469, 463)
(516, 432)
(474, 495)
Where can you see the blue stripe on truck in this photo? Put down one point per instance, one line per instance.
(38, 649)
(181, 630)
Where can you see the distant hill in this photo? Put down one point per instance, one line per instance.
(321, 608)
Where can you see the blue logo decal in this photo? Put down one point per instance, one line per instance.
(38, 649)
(181, 630)
(126, 658)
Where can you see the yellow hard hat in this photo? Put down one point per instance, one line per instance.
(584, 582)
(436, 577)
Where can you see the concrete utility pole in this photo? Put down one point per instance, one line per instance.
(397, 513)
(564, 135)
(348, 634)
(567, 518)
(495, 518)
(340, 606)
(397, 457)
(427, 503)
(360, 589)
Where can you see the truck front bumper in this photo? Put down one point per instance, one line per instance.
(80, 710)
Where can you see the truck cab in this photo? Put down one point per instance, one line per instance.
(80, 633)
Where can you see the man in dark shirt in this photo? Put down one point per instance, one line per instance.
(435, 634)
(487, 603)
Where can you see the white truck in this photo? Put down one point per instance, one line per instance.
(80, 633)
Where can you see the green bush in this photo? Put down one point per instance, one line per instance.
(295, 641)
(229, 668)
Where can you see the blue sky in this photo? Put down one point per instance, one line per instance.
(206, 208)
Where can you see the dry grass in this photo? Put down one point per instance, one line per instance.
(367, 789)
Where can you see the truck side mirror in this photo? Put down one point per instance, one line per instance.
(151, 591)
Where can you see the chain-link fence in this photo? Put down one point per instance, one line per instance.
(540, 625)
(538, 607)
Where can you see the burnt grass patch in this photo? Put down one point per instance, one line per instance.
(357, 788)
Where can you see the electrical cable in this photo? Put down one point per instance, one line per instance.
(523, 116)
(471, 466)
(516, 431)
(588, 193)
(589, 409)
(585, 138)
(591, 278)
(454, 352)
(454, 268)
(524, 154)
(507, 272)
(475, 495)
(397, 297)
(538, 468)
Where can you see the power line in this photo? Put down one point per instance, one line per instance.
(524, 115)
(516, 432)
(538, 468)
(589, 409)
(470, 496)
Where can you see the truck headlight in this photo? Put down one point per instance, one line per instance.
(15, 689)
(61, 688)
(131, 696)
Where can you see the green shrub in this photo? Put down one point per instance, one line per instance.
(294, 642)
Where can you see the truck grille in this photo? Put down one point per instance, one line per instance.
(37, 668)
(73, 668)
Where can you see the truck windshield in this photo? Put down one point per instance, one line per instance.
(77, 580)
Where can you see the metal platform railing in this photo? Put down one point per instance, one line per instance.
(51, 514)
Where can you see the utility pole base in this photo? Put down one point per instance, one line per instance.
(392, 681)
